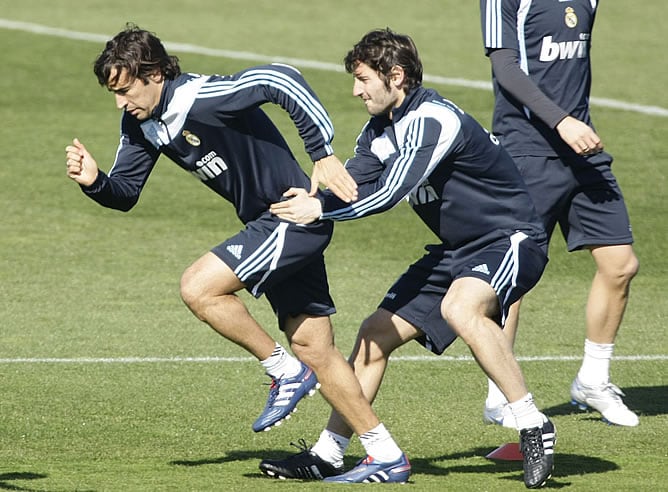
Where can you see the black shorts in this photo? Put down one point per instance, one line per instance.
(512, 266)
(285, 262)
(581, 195)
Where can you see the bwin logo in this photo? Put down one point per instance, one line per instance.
(425, 193)
(564, 50)
(209, 166)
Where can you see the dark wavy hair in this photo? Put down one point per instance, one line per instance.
(383, 49)
(140, 52)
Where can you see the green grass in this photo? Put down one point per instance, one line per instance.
(79, 281)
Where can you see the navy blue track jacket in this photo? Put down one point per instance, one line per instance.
(458, 179)
(212, 126)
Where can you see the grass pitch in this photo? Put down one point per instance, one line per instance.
(98, 386)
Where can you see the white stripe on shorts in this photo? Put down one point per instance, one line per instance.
(508, 270)
(269, 252)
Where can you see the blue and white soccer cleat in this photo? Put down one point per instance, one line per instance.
(284, 394)
(371, 471)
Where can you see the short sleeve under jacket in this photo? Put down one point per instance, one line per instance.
(553, 41)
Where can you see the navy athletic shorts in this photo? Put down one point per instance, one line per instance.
(512, 266)
(285, 262)
(581, 195)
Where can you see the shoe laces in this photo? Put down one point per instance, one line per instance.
(273, 391)
(532, 443)
(301, 445)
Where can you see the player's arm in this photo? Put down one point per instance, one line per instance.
(426, 141)
(375, 197)
(120, 188)
(285, 86)
(577, 134)
(330, 172)
(304, 208)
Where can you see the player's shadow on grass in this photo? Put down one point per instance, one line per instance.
(234, 455)
(15, 477)
(644, 400)
(567, 465)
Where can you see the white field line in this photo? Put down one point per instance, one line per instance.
(318, 65)
(406, 358)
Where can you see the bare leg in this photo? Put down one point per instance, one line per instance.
(207, 288)
(312, 341)
(469, 307)
(380, 334)
(495, 399)
(615, 268)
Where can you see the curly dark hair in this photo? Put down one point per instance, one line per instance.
(383, 49)
(140, 52)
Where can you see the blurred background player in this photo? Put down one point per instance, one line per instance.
(539, 52)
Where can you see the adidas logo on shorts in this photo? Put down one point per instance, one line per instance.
(236, 250)
(481, 268)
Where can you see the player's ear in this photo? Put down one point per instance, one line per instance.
(397, 76)
(156, 77)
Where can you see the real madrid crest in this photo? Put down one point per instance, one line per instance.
(191, 138)
(570, 18)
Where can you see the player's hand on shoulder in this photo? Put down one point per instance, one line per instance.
(330, 172)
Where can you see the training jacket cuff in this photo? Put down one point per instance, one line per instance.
(97, 185)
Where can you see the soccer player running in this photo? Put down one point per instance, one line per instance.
(212, 127)
(539, 52)
(467, 190)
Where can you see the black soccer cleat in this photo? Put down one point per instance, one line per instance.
(305, 465)
(537, 447)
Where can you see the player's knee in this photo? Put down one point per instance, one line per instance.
(457, 315)
(190, 290)
(621, 273)
(632, 268)
(312, 340)
(373, 339)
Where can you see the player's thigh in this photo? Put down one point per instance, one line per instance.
(468, 299)
(309, 332)
(208, 276)
(386, 330)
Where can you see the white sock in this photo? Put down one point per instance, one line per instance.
(378, 443)
(526, 414)
(331, 447)
(595, 369)
(494, 396)
(281, 364)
